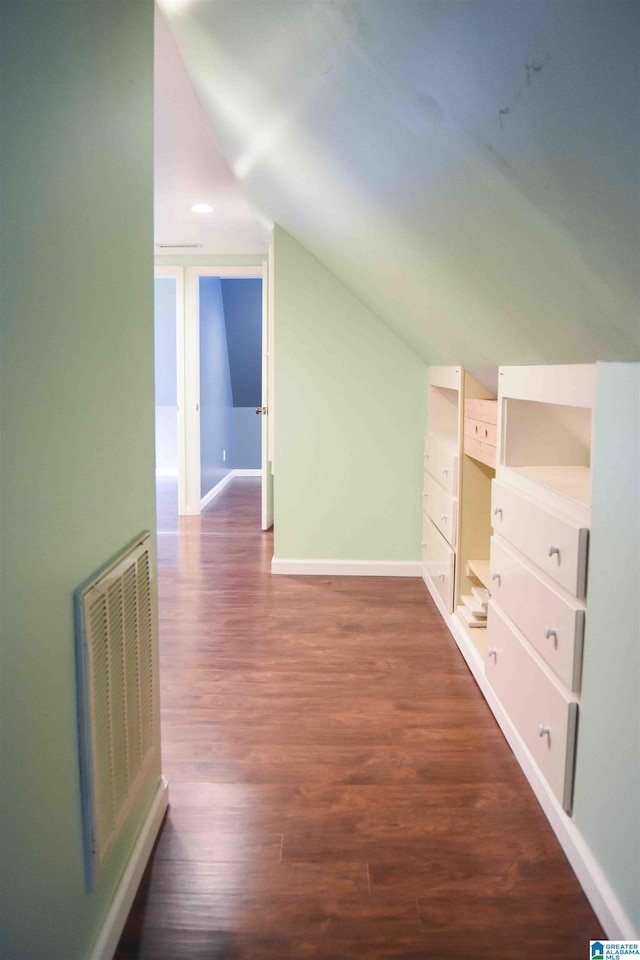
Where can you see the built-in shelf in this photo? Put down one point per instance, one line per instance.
(466, 503)
(546, 447)
(571, 482)
(444, 413)
(476, 633)
(480, 570)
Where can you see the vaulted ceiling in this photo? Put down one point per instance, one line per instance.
(469, 169)
(190, 168)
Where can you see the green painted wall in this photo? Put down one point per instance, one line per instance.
(77, 419)
(607, 791)
(349, 414)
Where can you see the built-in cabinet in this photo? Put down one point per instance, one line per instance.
(547, 522)
(540, 512)
(506, 525)
(441, 482)
(461, 430)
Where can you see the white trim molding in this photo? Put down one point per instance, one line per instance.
(167, 472)
(107, 940)
(238, 271)
(599, 892)
(190, 394)
(247, 472)
(347, 568)
(219, 487)
(176, 272)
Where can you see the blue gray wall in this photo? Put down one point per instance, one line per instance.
(242, 300)
(243, 317)
(215, 388)
(165, 375)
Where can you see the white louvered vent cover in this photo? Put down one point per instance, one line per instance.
(117, 679)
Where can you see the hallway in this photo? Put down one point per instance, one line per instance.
(339, 789)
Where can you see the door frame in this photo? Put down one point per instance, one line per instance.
(191, 368)
(177, 273)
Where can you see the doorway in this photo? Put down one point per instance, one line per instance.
(212, 373)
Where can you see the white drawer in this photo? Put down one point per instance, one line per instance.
(438, 562)
(554, 543)
(543, 714)
(442, 508)
(551, 622)
(441, 462)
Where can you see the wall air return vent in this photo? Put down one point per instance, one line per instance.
(116, 644)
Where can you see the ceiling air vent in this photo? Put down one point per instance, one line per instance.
(178, 246)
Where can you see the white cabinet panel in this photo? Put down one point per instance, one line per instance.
(554, 543)
(441, 463)
(438, 562)
(442, 508)
(551, 622)
(543, 714)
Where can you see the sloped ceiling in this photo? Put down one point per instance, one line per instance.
(190, 168)
(469, 169)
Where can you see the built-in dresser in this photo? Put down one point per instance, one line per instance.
(540, 512)
(506, 509)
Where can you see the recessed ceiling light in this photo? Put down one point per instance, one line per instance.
(202, 208)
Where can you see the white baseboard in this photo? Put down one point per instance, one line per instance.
(219, 487)
(167, 472)
(111, 930)
(347, 568)
(247, 472)
(601, 896)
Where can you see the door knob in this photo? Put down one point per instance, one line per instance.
(261, 409)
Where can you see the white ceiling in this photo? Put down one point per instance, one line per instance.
(189, 167)
(468, 169)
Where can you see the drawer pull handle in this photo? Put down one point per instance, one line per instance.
(444, 519)
(550, 632)
(553, 550)
(424, 543)
(496, 576)
(492, 652)
(498, 510)
(445, 473)
(544, 731)
(441, 576)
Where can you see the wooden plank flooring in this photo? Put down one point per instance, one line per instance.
(339, 788)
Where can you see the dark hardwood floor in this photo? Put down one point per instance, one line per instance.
(339, 789)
